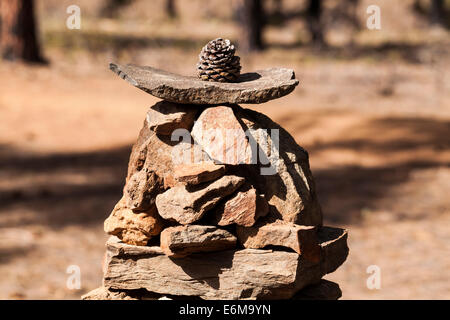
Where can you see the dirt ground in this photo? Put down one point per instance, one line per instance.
(375, 121)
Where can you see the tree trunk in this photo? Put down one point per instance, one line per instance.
(170, 9)
(18, 39)
(251, 18)
(314, 12)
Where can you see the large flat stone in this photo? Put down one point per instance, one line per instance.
(186, 206)
(256, 87)
(232, 274)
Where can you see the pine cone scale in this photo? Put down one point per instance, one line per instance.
(217, 62)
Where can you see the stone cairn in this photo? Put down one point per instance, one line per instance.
(219, 201)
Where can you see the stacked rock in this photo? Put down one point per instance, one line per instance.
(219, 201)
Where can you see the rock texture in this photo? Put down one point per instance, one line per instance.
(232, 274)
(221, 136)
(256, 87)
(301, 239)
(181, 241)
(283, 173)
(189, 205)
(133, 228)
(165, 117)
(324, 290)
(196, 173)
(243, 209)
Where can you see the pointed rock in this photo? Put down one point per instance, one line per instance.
(189, 205)
(196, 173)
(282, 171)
(165, 117)
(243, 209)
(181, 241)
(301, 239)
(221, 136)
(133, 228)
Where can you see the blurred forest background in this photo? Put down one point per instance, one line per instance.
(372, 109)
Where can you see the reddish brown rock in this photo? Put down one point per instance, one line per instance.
(231, 274)
(301, 239)
(282, 172)
(243, 209)
(221, 136)
(196, 173)
(165, 117)
(181, 241)
(324, 290)
(133, 228)
(189, 205)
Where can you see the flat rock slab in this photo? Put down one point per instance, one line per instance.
(301, 239)
(232, 274)
(180, 241)
(196, 173)
(256, 87)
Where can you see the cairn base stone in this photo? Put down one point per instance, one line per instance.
(232, 274)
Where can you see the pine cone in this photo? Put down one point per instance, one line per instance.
(217, 62)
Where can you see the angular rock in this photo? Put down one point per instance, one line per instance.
(255, 87)
(189, 205)
(283, 171)
(151, 165)
(324, 290)
(232, 274)
(333, 246)
(196, 173)
(181, 241)
(301, 239)
(221, 136)
(133, 228)
(165, 117)
(243, 209)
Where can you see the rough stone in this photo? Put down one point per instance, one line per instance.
(165, 117)
(255, 87)
(301, 239)
(243, 208)
(151, 165)
(181, 241)
(196, 173)
(231, 274)
(189, 205)
(221, 136)
(324, 290)
(133, 228)
(103, 293)
(282, 171)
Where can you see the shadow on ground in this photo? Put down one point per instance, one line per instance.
(343, 191)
